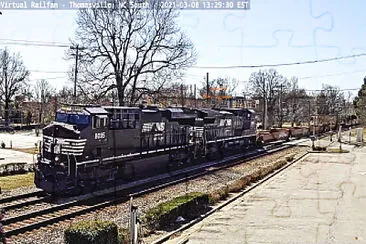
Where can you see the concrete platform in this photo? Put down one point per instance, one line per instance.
(320, 199)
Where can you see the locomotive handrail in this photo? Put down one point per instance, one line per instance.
(126, 156)
(66, 139)
(131, 155)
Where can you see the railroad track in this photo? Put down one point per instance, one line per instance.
(58, 212)
(21, 200)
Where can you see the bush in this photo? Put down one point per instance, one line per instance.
(123, 236)
(337, 150)
(289, 158)
(92, 232)
(13, 168)
(219, 195)
(318, 148)
(188, 206)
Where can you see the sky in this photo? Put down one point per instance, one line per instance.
(270, 32)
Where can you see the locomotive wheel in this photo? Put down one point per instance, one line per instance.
(131, 176)
(220, 151)
(189, 160)
(93, 186)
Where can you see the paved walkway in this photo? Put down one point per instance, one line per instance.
(22, 139)
(320, 199)
(12, 156)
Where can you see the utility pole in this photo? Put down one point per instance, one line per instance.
(76, 65)
(315, 121)
(265, 105)
(309, 114)
(207, 87)
(182, 95)
(195, 96)
(280, 106)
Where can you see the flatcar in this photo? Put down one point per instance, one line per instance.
(93, 147)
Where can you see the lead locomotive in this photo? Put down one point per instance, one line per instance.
(93, 147)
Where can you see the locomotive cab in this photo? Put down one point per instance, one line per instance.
(97, 131)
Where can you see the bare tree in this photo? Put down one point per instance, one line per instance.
(266, 85)
(331, 102)
(127, 47)
(295, 106)
(65, 95)
(43, 93)
(219, 88)
(13, 77)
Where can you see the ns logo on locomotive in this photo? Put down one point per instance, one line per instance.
(94, 147)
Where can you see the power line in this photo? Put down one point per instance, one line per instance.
(282, 64)
(30, 41)
(45, 71)
(33, 43)
(349, 89)
(334, 74)
(49, 78)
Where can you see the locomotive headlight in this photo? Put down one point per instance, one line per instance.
(57, 149)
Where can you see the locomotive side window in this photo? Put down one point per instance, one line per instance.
(96, 122)
(125, 119)
(103, 122)
(225, 122)
(100, 121)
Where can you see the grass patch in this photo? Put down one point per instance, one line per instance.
(31, 150)
(16, 181)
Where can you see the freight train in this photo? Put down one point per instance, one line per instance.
(93, 147)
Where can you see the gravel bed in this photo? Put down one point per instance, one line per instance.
(18, 191)
(119, 213)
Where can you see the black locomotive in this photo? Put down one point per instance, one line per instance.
(93, 147)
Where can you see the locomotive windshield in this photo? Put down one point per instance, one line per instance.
(75, 119)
